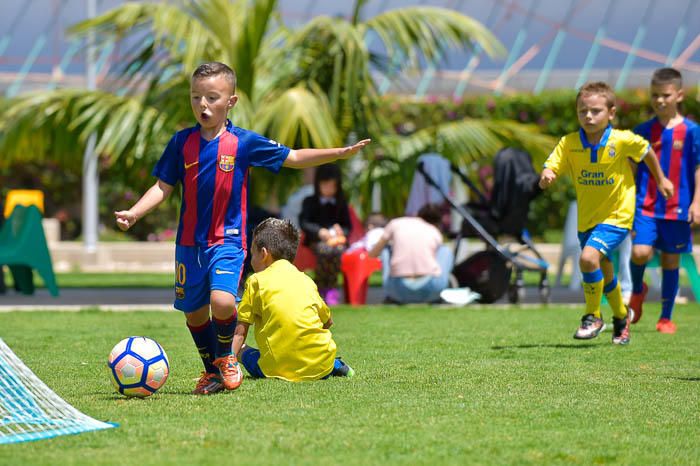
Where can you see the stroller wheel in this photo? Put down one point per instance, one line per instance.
(516, 293)
(453, 282)
(545, 294)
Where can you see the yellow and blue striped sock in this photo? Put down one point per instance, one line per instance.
(593, 291)
(614, 295)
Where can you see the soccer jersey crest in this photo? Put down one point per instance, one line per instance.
(226, 162)
(678, 144)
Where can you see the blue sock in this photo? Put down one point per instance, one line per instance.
(224, 336)
(669, 290)
(340, 369)
(205, 340)
(637, 272)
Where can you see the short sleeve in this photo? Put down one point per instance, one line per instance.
(169, 166)
(555, 160)
(695, 147)
(388, 232)
(247, 306)
(636, 146)
(324, 312)
(264, 152)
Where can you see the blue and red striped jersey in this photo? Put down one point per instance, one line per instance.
(678, 149)
(214, 177)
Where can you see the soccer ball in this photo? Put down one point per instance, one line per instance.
(138, 366)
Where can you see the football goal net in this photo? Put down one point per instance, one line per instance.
(30, 410)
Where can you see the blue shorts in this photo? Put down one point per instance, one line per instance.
(672, 236)
(605, 238)
(250, 357)
(199, 271)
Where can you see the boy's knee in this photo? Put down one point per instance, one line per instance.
(589, 261)
(642, 254)
(222, 302)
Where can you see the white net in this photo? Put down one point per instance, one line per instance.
(30, 410)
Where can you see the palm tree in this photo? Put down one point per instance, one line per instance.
(313, 86)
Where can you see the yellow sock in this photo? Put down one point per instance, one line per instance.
(614, 296)
(593, 291)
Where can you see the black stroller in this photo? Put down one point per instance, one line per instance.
(499, 268)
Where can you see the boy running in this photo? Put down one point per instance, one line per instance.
(597, 160)
(211, 161)
(664, 224)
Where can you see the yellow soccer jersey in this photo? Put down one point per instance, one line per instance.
(602, 175)
(287, 312)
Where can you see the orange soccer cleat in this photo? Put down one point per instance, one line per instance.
(231, 373)
(635, 304)
(665, 326)
(208, 384)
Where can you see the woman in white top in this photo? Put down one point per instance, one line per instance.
(416, 264)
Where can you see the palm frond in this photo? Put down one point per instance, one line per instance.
(175, 28)
(470, 140)
(61, 121)
(298, 117)
(429, 32)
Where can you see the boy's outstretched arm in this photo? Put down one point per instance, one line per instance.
(152, 198)
(664, 184)
(239, 336)
(304, 158)
(547, 178)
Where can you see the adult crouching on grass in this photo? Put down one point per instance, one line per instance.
(416, 264)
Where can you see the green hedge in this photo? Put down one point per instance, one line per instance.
(554, 112)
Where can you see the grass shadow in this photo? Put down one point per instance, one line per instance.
(687, 379)
(556, 346)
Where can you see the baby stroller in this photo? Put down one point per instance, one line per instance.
(499, 268)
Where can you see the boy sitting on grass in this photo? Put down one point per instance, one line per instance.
(291, 320)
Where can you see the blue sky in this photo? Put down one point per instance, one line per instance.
(29, 23)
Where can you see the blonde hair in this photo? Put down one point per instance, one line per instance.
(597, 88)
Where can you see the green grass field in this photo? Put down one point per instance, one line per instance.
(491, 385)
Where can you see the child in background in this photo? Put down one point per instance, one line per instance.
(597, 160)
(211, 160)
(291, 320)
(664, 224)
(325, 221)
(374, 228)
(416, 264)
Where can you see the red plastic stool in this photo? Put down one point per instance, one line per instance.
(357, 266)
(305, 258)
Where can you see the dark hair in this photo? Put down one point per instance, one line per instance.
(431, 213)
(329, 171)
(377, 219)
(667, 76)
(279, 237)
(215, 68)
(599, 88)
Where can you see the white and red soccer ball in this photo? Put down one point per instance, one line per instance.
(138, 366)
